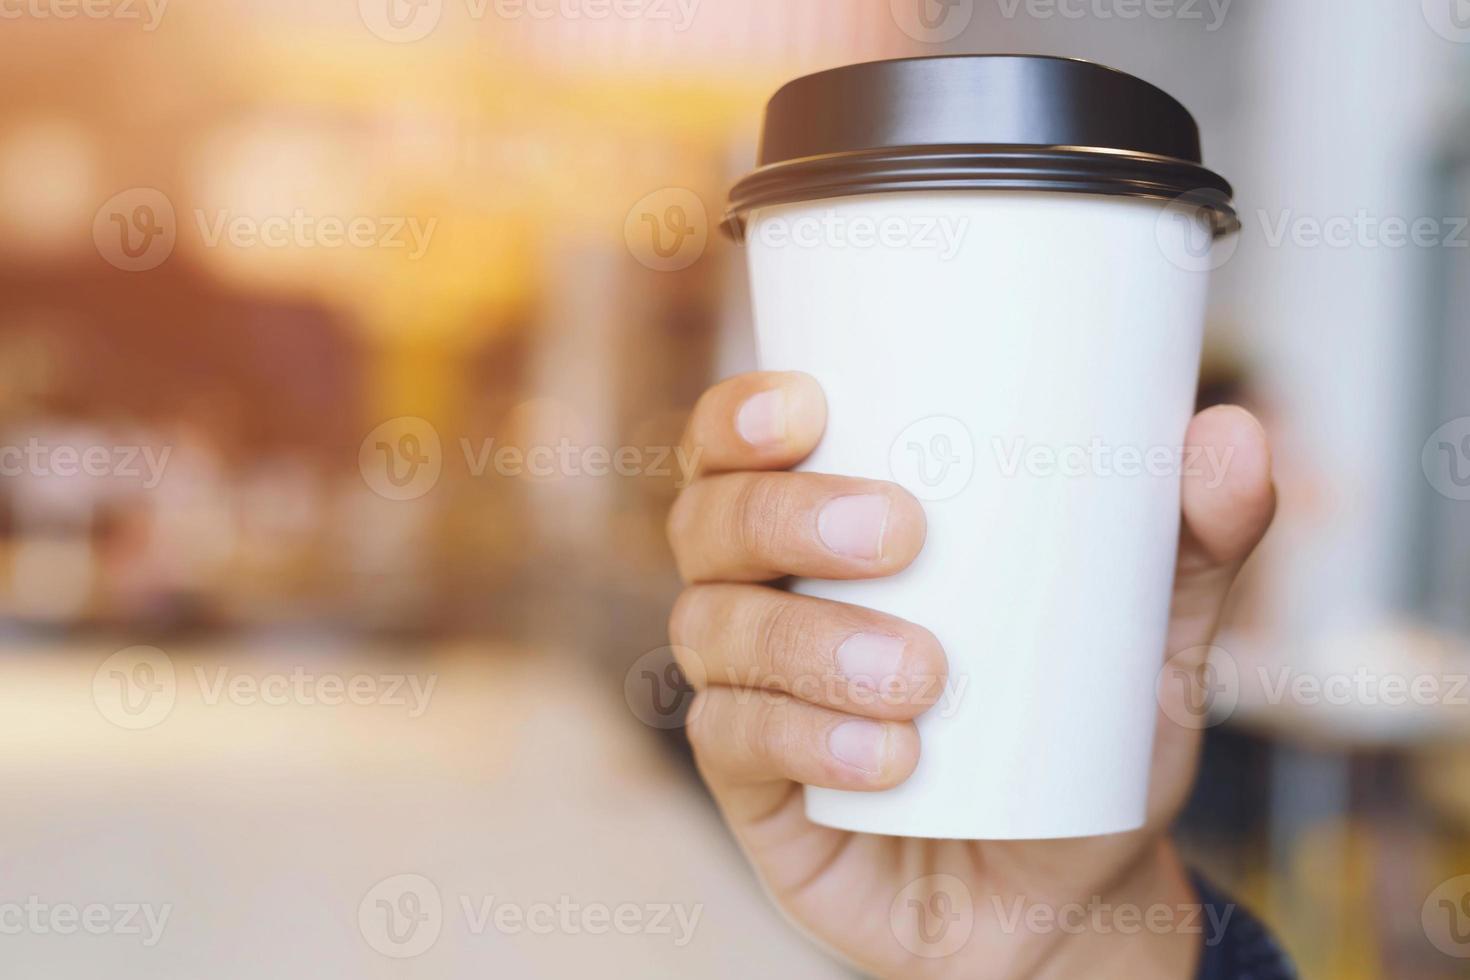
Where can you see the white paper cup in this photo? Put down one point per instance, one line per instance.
(1032, 389)
(1024, 362)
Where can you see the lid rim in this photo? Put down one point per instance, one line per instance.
(1116, 173)
(918, 150)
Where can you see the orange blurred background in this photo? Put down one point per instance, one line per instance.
(352, 340)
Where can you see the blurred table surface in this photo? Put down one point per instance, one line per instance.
(268, 829)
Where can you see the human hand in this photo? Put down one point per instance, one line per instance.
(787, 696)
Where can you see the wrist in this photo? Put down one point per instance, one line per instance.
(1149, 925)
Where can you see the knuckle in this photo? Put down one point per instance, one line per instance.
(759, 508)
(684, 616)
(706, 406)
(677, 523)
(691, 666)
(708, 417)
(678, 528)
(700, 725)
(769, 733)
(781, 627)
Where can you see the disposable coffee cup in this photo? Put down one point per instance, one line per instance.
(996, 267)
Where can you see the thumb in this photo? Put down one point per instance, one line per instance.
(1228, 501)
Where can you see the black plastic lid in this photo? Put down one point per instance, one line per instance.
(964, 122)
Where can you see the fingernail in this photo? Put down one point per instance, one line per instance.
(860, 744)
(870, 658)
(853, 526)
(761, 421)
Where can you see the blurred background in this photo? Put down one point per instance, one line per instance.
(344, 350)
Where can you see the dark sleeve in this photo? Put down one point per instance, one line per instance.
(1236, 945)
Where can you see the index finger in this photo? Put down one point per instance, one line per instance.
(764, 420)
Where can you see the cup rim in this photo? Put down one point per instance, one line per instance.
(993, 167)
